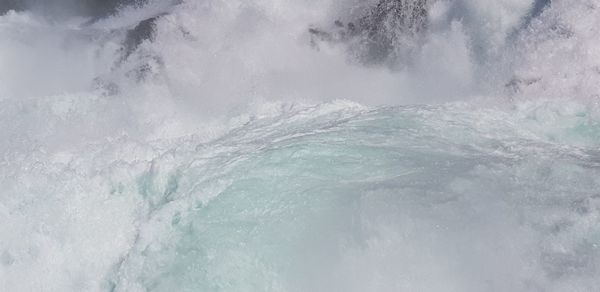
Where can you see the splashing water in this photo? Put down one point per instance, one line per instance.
(223, 146)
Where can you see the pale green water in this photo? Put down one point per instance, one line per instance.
(220, 147)
(408, 198)
(331, 197)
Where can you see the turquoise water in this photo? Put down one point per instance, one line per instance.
(358, 199)
(327, 197)
(216, 145)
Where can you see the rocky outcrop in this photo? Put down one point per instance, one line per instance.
(91, 8)
(7, 5)
(387, 32)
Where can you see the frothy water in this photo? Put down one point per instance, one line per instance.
(266, 146)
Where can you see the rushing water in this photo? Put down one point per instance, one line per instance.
(211, 145)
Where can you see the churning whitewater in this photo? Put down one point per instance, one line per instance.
(300, 145)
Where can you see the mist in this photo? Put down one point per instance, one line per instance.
(299, 145)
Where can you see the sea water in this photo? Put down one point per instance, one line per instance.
(227, 153)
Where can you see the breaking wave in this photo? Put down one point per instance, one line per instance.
(334, 145)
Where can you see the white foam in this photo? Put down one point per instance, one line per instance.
(75, 159)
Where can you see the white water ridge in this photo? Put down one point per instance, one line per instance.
(279, 145)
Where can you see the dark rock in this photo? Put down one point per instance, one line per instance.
(386, 32)
(517, 84)
(144, 30)
(58, 8)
